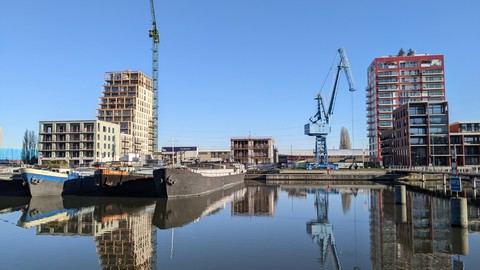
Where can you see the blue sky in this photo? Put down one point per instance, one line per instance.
(227, 68)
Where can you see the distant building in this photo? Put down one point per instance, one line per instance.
(252, 150)
(338, 156)
(78, 142)
(392, 82)
(180, 154)
(419, 136)
(214, 155)
(465, 138)
(128, 99)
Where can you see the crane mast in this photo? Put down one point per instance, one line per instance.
(319, 125)
(153, 33)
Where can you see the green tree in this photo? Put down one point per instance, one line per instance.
(29, 148)
(410, 52)
(345, 139)
(401, 52)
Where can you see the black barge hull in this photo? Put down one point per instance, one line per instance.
(180, 183)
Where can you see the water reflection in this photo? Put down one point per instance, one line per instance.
(321, 230)
(417, 234)
(413, 235)
(178, 212)
(121, 227)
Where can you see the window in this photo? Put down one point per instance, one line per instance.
(416, 110)
(437, 109)
(438, 119)
(418, 121)
(417, 130)
(470, 139)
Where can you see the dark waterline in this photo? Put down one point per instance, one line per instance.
(254, 227)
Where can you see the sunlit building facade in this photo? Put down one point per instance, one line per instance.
(394, 81)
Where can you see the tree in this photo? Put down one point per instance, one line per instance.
(401, 52)
(410, 52)
(345, 139)
(29, 148)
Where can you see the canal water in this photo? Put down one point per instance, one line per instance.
(247, 227)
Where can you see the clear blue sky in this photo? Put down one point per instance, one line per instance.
(228, 68)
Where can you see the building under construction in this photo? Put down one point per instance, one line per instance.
(128, 100)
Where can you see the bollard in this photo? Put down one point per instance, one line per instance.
(458, 212)
(459, 240)
(400, 194)
(400, 213)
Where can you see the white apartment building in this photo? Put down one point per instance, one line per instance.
(78, 142)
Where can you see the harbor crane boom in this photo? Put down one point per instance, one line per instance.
(319, 125)
(153, 33)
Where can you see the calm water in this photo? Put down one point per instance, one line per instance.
(243, 228)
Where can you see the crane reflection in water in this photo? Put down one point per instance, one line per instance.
(321, 231)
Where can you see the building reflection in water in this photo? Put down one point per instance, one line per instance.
(417, 234)
(122, 228)
(258, 201)
(410, 236)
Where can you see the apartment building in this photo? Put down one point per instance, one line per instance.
(419, 135)
(394, 81)
(78, 142)
(127, 99)
(253, 150)
(465, 138)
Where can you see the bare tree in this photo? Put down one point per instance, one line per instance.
(345, 139)
(29, 148)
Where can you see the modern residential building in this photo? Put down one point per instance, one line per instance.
(465, 138)
(419, 136)
(252, 150)
(78, 142)
(394, 81)
(128, 99)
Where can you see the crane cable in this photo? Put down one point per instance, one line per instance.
(328, 73)
(353, 132)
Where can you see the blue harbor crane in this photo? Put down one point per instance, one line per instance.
(153, 33)
(319, 125)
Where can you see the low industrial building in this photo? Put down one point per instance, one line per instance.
(214, 155)
(78, 142)
(343, 157)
